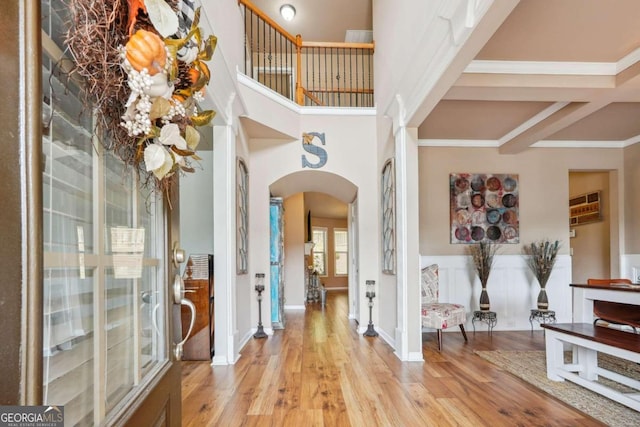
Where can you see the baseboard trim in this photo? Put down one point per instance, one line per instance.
(385, 336)
(219, 361)
(414, 356)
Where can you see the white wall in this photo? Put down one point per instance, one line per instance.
(544, 194)
(544, 190)
(512, 288)
(196, 207)
(349, 142)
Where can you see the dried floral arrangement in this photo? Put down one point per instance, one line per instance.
(143, 62)
(482, 255)
(541, 258)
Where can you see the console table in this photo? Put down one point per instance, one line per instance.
(585, 295)
(489, 317)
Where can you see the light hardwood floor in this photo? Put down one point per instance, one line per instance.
(320, 372)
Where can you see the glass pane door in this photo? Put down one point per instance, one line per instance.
(104, 263)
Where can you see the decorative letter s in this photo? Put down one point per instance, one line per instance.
(316, 150)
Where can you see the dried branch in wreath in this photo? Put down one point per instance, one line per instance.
(146, 108)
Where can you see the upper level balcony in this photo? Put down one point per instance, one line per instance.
(308, 73)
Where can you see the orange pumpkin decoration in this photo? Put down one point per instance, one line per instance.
(194, 75)
(146, 50)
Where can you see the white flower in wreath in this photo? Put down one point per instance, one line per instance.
(170, 135)
(163, 18)
(158, 160)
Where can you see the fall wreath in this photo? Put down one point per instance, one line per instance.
(143, 62)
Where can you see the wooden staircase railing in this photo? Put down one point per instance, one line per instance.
(308, 73)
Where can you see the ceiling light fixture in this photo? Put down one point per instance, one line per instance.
(287, 11)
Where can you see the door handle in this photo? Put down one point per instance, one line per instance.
(178, 298)
(192, 308)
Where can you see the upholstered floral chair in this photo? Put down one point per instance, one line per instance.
(437, 315)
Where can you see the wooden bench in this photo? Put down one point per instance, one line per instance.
(586, 341)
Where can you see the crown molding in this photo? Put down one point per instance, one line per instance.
(542, 67)
(492, 143)
(468, 143)
(558, 143)
(554, 67)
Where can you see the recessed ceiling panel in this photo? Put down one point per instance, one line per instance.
(615, 122)
(567, 30)
(480, 120)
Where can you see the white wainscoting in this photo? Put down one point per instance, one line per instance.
(512, 289)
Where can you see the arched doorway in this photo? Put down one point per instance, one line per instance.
(332, 198)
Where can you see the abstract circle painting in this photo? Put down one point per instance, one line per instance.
(484, 208)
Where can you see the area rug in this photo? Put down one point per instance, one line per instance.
(531, 367)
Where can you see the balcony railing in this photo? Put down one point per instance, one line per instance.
(308, 73)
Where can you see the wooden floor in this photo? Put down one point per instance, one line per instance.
(320, 372)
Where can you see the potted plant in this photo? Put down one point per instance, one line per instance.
(541, 257)
(482, 255)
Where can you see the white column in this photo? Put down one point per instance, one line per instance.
(224, 243)
(408, 329)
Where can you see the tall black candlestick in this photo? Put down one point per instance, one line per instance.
(260, 333)
(371, 294)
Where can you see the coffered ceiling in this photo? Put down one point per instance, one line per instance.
(556, 73)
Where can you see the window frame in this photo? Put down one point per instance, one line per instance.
(242, 217)
(336, 252)
(388, 217)
(325, 232)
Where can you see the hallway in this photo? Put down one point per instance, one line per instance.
(319, 371)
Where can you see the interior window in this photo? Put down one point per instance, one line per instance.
(341, 252)
(320, 250)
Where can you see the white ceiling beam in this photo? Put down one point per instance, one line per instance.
(554, 123)
(575, 111)
(518, 87)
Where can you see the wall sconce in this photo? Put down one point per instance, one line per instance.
(287, 11)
